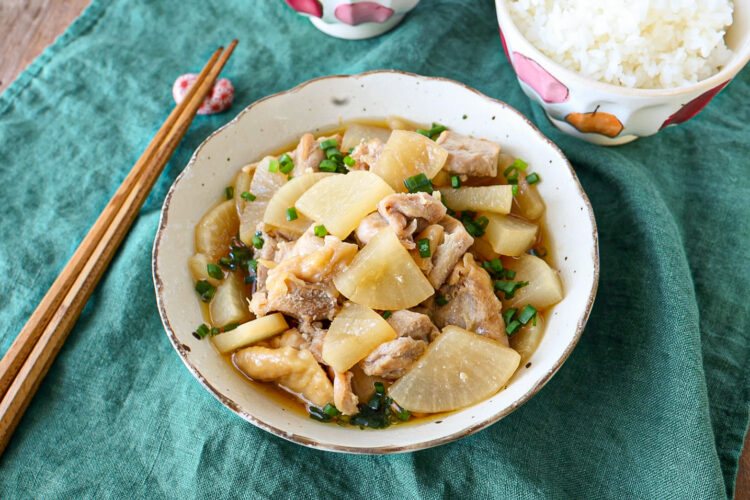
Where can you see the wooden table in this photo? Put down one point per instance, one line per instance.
(28, 26)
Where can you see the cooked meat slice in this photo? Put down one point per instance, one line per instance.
(264, 255)
(291, 338)
(411, 324)
(472, 303)
(476, 157)
(343, 398)
(314, 333)
(369, 227)
(294, 369)
(302, 285)
(455, 243)
(392, 359)
(308, 155)
(408, 213)
(366, 154)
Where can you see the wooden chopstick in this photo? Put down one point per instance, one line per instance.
(43, 335)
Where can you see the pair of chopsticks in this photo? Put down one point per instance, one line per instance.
(30, 356)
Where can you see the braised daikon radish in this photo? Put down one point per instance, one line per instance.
(483, 250)
(398, 123)
(509, 235)
(544, 288)
(528, 202)
(496, 199)
(264, 184)
(384, 276)
(242, 185)
(354, 333)
(340, 202)
(526, 340)
(228, 304)
(198, 265)
(407, 154)
(460, 368)
(359, 132)
(250, 332)
(280, 211)
(215, 231)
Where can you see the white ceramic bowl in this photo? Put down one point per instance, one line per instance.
(353, 19)
(624, 113)
(315, 106)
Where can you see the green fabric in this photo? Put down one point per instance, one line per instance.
(653, 403)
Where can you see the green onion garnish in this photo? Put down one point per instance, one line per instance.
(496, 265)
(403, 415)
(455, 182)
(482, 222)
(423, 246)
(334, 154)
(214, 331)
(205, 290)
(258, 241)
(320, 231)
(509, 287)
(508, 315)
(273, 165)
(422, 131)
(437, 129)
(230, 327)
(229, 192)
(287, 165)
(520, 164)
(512, 327)
(328, 166)
(386, 314)
(330, 410)
(228, 263)
(509, 273)
(214, 271)
(532, 178)
(514, 189)
(318, 414)
(201, 331)
(417, 183)
(379, 388)
(247, 196)
(330, 143)
(252, 264)
(441, 300)
(348, 160)
(291, 213)
(527, 313)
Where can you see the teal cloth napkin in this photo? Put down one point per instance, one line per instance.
(653, 403)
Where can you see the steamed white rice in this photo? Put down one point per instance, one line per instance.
(632, 43)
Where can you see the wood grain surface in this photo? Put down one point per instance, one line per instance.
(28, 26)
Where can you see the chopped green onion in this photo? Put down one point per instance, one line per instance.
(527, 313)
(417, 183)
(214, 271)
(386, 314)
(286, 168)
(520, 164)
(532, 178)
(247, 196)
(437, 129)
(214, 331)
(334, 154)
(509, 273)
(348, 160)
(403, 415)
(320, 231)
(509, 287)
(330, 410)
(330, 143)
(482, 222)
(229, 192)
(291, 213)
(318, 414)
(230, 327)
(423, 246)
(328, 166)
(508, 315)
(496, 265)
(512, 327)
(228, 263)
(258, 241)
(422, 131)
(455, 182)
(514, 189)
(534, 322)
(252, 264)
(441, 300)
(205, 290)
(249, 279)
(464, 117)
(273, 165)
(379, 388)
(201, 331)
(375, 400)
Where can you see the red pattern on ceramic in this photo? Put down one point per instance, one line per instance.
(694, 107)
(505, 47)
(310, 7)
(549, 88)
(362, 12)
(218, 99)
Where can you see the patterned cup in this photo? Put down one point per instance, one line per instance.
(352, 19)
(608, 114)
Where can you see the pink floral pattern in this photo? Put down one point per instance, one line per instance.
(219, 98)
(549, 88)
(693, 107)
(362, 12)
(310, 7)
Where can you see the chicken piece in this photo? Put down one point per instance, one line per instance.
(455, 243)
(412, 324)
(314, 333)
(366, 154)
(344, 399)
(475, 157)
(291, 338)
(408, 213)
(308, 155)
(293, 369)
(302, 285)
(472, 303)
(392, 359)
(369, 227)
